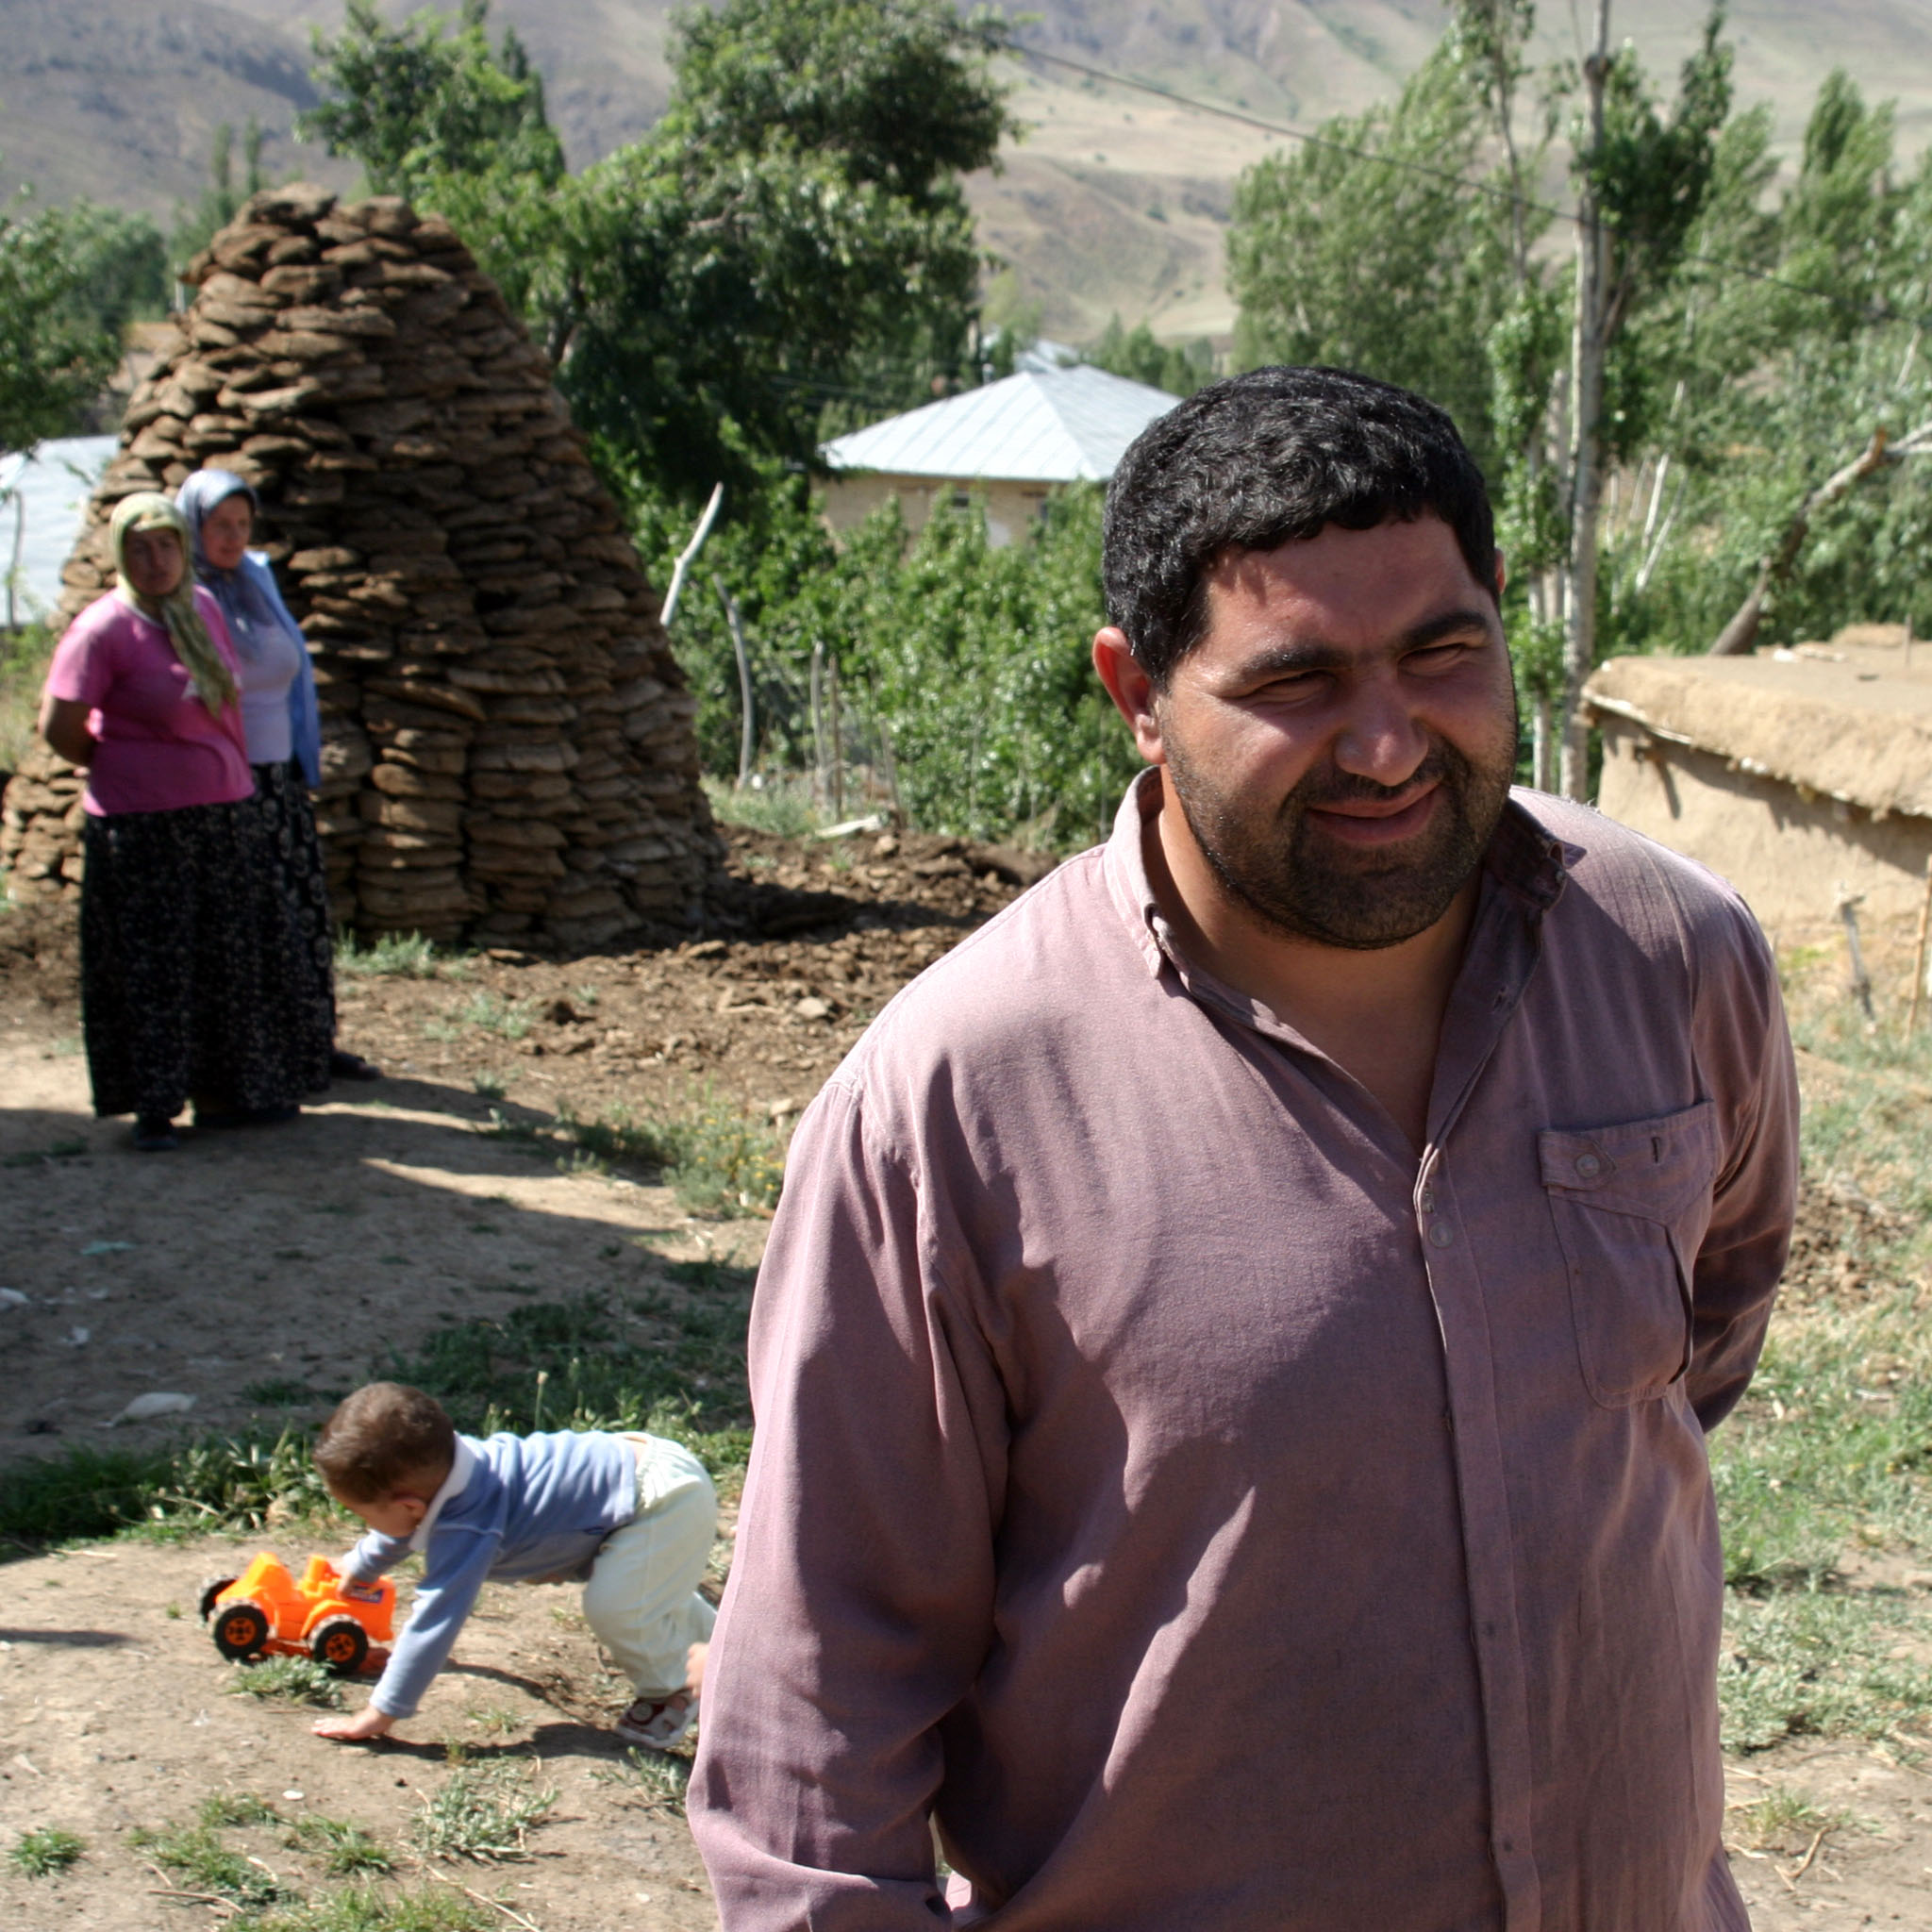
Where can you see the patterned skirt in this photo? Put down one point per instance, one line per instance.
(301, 882)
(191, 977)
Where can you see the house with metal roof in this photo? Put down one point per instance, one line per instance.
(43, 497)
(1013, 443)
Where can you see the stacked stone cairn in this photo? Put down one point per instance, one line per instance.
(508, 755)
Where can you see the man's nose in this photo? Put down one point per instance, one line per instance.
(1380, 738)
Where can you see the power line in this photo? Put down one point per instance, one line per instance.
(1864, 311)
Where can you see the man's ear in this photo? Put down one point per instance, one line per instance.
(1131, 690)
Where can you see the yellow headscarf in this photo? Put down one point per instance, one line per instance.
(147, 510)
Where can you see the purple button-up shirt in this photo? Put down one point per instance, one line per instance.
(1215, 1517)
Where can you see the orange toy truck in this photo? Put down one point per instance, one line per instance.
(325, 1616)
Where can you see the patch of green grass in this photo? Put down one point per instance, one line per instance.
(484, 1811)
(217, 1482)
(490, 1086)
(196, 1860)
(1823, 1664)
(42, 1853)
(658, 1778)
(1826, 1469)
(484, 1011)
(376, 1909)
(288, 1680)
(782, 808)
(287, 1392)
(24, 657)
(346, 1850)
(235, 1808)
(580, 1364)
(715, 1156)
(1786, 1819)
(397, 956)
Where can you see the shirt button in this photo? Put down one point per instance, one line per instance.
(1441, 1235)
(1589, 1166)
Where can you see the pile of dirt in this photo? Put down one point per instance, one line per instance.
(1839, 1247)
(507, 737)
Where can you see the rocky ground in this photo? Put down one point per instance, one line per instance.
(262, 1273)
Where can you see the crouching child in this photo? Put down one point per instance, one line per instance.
(631, 1515)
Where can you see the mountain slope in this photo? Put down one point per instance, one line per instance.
(1112, 201)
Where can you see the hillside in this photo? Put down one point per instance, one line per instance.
(1113, 201)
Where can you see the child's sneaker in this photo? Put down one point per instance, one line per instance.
(658, 1722)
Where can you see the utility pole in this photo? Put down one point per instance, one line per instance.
(1587, 347)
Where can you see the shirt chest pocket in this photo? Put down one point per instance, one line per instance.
(1631, 1204)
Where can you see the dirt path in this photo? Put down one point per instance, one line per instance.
(117, 1716)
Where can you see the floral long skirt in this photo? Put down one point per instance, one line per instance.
(301, 882)
(189, 990)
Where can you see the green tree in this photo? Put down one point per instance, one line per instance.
(791, 246)
(57, 346)
(1369, 248)
(221, 199)
(790, 242)
(1178, 368)
(963, 668)
(429, 101)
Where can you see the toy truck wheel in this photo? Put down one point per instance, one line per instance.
(241, 1630)
(211, 1589)
(340, 1644)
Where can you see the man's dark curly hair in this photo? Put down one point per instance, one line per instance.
(1252, 461)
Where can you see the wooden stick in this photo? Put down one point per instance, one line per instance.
(495, 1904)
(689, 555)
(1919, 953)
(750, 729)
(1806, 1865)
(1848, 904)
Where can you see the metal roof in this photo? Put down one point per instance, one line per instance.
(44, 498)
(1057, 426)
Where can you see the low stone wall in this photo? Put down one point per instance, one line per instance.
(509, 751)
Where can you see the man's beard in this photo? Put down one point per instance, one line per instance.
(1303, 882)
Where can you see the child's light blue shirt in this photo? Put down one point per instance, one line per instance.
(516, 1508)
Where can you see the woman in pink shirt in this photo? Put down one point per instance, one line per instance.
(178, 918)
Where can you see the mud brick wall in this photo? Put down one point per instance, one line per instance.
(508, 742)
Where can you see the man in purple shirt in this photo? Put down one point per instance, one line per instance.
(1233, 1362)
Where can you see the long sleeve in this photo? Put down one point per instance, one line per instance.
(458, 1562)
(1744, 1044)
(375, 1556)
(305, 715)
(859, 1610)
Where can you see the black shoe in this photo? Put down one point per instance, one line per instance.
(344, 1065)
(154, 1133)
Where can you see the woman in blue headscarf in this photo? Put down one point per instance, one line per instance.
(283, 726)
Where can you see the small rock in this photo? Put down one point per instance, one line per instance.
(12, 1298)
(812, 1008)
(146, 1409)
(886, 846)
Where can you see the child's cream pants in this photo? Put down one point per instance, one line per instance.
(642, 1599)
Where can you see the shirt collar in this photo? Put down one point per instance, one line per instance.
(461, 1470)
(1525, 858)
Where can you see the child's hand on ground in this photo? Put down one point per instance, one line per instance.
(367, 1722)
(694, 1666)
